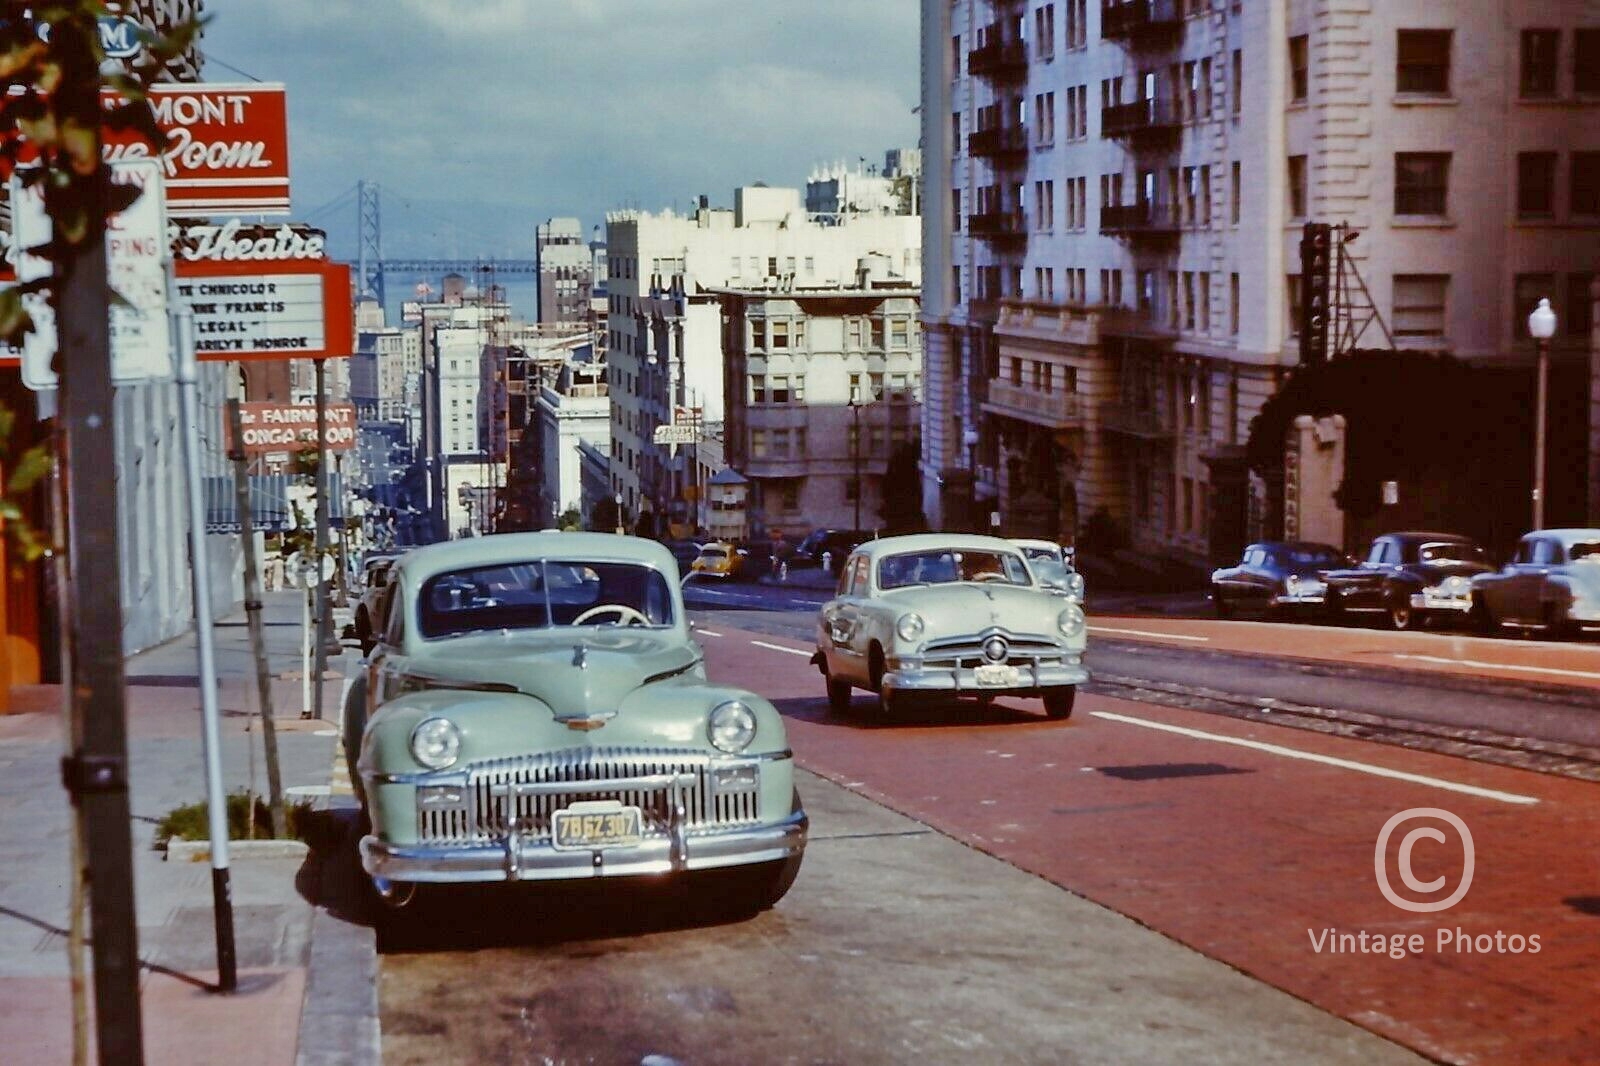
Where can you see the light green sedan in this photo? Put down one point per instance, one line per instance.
(536, 709)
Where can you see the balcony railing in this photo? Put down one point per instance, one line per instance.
(998, 141)
(1054, 410)
(1138, 20)
(1149, 218)
(998, 59)
(1129, 421)
(1142, 118)
(998, 225)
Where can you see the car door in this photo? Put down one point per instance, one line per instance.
(841, 619)
(1524, 591)
(1382, 559)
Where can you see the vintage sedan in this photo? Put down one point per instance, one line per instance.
(536, 709)
(1274, 577)
(940, 614)
(1052, 565)
(1552, 582)
(720, 560)
(1410, 578)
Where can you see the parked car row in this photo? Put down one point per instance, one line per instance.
(1414, 579)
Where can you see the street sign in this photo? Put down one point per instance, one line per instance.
(136, 253)
(675, 434)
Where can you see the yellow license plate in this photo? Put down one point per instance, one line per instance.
(997, 674)
(600, 825)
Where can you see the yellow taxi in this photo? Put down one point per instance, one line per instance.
(718, 559)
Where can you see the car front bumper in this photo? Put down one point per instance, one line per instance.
(1433, 601)
(963, 679)
(1300, 599)
(516, 859)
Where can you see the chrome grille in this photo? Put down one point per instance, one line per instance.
(489, 805)
(954, 652)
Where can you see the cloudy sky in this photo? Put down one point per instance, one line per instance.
(479, 119)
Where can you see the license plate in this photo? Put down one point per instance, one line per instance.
(597, 824)
(997, 674)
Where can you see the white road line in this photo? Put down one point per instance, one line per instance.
(706, 633)
(1326, 760)
(1147, 633)
(780, 647)
(1485, 665)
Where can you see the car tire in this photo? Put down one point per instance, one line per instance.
(1220, 604)
(1402, 616)
(1058, 702)
(839, 694)
(1556, 624)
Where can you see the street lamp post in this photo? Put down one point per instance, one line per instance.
(970, 439)
(855, 406)
(620, 530)
(1541, 326)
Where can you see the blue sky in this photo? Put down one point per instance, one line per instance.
(480, 119)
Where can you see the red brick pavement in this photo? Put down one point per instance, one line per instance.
(1245, 864)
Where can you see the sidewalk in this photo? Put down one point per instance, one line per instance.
(274, 898)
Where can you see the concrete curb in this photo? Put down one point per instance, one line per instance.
(244, 850)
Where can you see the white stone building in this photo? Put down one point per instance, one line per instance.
(574, 409)
(665, 348)
(1115, 199)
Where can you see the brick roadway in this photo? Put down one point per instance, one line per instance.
(1242, 853)
(1510, 656)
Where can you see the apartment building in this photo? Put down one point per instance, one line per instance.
(822, 386)
(572, 410)
(566, 272)
(1115, 198)
(665, 322)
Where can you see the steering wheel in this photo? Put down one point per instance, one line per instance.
(989, 576)
(625, 615)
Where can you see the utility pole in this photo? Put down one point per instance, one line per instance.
(320, 659)
(252, 614)
(95, 771)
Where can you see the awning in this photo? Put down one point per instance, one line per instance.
(271, 509)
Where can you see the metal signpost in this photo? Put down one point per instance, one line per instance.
(216, 798)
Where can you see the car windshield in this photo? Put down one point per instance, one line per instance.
(1053, 554)
(713, 553)
(542, 593)
(1461, 550)
(945, 567)
(1314, 557)
(1585, 549)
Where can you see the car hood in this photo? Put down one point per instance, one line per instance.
(574, 670)
(957, 609)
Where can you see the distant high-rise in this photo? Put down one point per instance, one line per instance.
(566, 272)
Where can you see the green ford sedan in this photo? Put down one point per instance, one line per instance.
(535, 709)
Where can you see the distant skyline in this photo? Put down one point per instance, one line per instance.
(480, 120)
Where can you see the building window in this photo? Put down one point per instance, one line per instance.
(899, 333)
(1236, 92)
(955, 55)
(1540, 55)
(1044, 31)
(1585, 183)
(1536, 184)
(780, 443)
(1297, 186)
(758, 443)
(955, 133)
(1586, 60)
(1419, 304)
(781, 391)
(1527, 291)
(1421, 183)
(1233, 304)
(1234, 190)
(1205, 302)
(789, 495)
(955, 296)
(1188, 300)
(1174, 305)
(1292, 290)
(877, 333)
(1299, 68)
(811, 265)
(758, 388)
(1422, 63)
(1580, 306)
(778, 334)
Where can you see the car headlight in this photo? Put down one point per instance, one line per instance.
(1070, 621)
(731, 727)
(1455, 584)
(1075, 585)
(436, 743)
(910, 626)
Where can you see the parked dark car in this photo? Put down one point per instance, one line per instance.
(1553, 582)
(1410, 578)
(836, 543)
(1274, 577)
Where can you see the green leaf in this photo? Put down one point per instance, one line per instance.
(30, 466)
